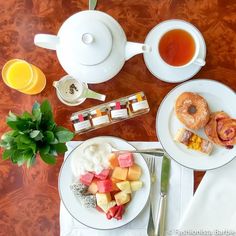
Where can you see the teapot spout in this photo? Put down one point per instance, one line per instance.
(132, 49)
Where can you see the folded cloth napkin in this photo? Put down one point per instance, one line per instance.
(180, 193)
(212, 210)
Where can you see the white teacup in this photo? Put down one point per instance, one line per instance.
(195, 58)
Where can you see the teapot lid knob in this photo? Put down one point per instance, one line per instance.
(87, 38)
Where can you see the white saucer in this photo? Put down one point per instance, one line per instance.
(219, 98)
(158, 68)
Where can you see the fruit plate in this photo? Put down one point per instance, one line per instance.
(219, 98)
(91, 217)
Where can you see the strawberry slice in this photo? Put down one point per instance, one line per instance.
(108, 215)
(120, 212)
(112, 211)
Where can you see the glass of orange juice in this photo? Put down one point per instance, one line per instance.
(23, 76)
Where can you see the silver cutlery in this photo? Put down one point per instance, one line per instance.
(153, 151)
(165, 174)
(92, 4)
(151, 165)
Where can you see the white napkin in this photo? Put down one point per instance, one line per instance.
(180, 193)
(213, 207)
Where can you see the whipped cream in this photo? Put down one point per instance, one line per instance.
(93, 158)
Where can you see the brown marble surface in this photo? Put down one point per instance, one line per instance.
(29, 201)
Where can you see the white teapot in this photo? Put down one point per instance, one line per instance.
(91, 46)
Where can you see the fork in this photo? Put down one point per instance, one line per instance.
(151, 165)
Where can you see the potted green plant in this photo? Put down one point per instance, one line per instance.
(34, 133)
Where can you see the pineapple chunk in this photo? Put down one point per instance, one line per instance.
(122, 198)
(103, 198)
(124, 186)
(136, 185)
(120, 173)
(134, 172)
(93, 188)
(107, 206)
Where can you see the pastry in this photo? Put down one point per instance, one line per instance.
(221, 129)
(193, 141)
(192, 110)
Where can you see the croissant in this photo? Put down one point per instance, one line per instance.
(221, 129)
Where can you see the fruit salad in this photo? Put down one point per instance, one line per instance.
(110, 190)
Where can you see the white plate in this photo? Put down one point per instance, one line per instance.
(157, 67)
(91, 217)
(219, 98)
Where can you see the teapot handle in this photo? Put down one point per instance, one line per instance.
(132, 49)
(47, 41)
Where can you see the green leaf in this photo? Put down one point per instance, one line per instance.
(15, 156)
(44, 149)
(22, 146)
(52, 151)
(31, 161)
(6, 154)
(36, 112)
(21, 125)
(24, 142)
(7, 145)
(36, 135)
(60, 148)
(48, 136)
(4, 144)
(60, 128)
(24, 139)
(28, 154)
(46, 110)
(11, 117)
(20, 160)
(50, 125)
(49, 159)
(64, 136)
(9, 135)
(55, 141)
(26, 116)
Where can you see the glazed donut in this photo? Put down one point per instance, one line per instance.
(192, 110)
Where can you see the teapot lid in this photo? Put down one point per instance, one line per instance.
(92, 40)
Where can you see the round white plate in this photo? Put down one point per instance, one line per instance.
(219, 98)
(91, 217)
(157, 67)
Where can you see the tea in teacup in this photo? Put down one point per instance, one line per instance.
(177, 47)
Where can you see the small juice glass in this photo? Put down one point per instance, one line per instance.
(23, 76)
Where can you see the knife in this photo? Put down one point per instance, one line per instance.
(165, 174)
(92, 4)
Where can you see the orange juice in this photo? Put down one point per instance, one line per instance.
(24, 77)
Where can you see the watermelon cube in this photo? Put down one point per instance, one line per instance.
(103, 175)
(105, 186)
(87, 178)
(125, 160)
